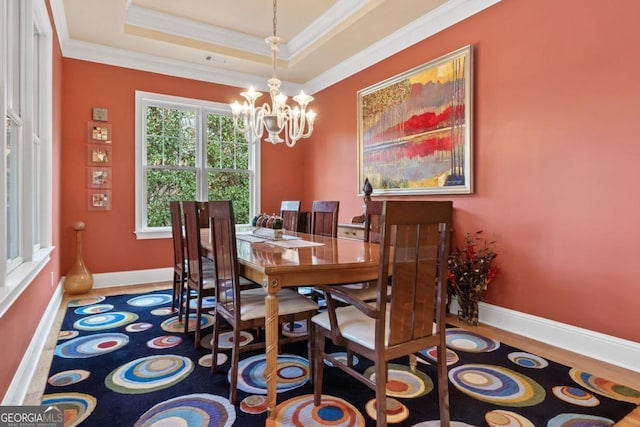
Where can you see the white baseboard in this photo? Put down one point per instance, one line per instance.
(134, 277)
(19, 386)
(609, 349)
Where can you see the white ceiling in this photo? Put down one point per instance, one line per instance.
(222, 41)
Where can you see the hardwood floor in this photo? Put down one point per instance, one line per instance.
(623, 376)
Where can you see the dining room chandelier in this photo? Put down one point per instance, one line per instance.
(296, 122)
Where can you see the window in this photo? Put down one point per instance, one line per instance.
(26, 168)
(187, 149)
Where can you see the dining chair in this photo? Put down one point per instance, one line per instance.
(245, 309)
(414, 246)
(179, 261)
(199, 279)
(366, 291)
(290, 212)
(372, 220)
(324, 218)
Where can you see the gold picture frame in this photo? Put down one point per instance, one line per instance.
(415, 129)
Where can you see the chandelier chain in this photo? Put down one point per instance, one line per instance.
(275, 19)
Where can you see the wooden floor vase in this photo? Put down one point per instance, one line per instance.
(78, 279)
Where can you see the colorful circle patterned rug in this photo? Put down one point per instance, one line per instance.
(342, 357)
(254, 404)
(496, 384)
(91, 345)
(67, 335)
(64, 378)
(76, 406)
(501, 418)
(193, 410)
(172, 324)
(207, 302)
(576, 396)
(396, 411)
(460, 339)
(150, 300)
(79, 302)
(292, 372)
(527, 360)
(164, 341)
(225, 340)
(149, 374)
(94, 309)
(402, 382)
(436, 423)
(579, 420)
(206, 360)
(102, 321)
(431, 354)
(163, 311)
(138, 327)
(605, 387)
(299, 329)
(332, 411)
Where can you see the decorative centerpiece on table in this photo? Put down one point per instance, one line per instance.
(268, 226)
(471, 269)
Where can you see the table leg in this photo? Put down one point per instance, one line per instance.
(271, 336)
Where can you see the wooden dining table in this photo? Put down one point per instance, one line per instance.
(307, 260)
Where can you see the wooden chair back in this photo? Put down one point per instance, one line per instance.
(243, 308)
(176, 232)
(226, 269)
(179, 262)
(414, 247)
(192, 235)
(290, 211)
(203, 213)
(372, 221)
(324, 218)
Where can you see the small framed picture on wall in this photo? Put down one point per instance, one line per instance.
(99, 200)
(99, 132)
(99, 155)
(99, 177)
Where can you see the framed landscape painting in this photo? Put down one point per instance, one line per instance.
(414, 129)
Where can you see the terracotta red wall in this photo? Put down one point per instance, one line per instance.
(19, 323)
(556, 154)
(109, 242)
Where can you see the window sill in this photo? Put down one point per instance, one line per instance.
(18, 280)
(142, 235)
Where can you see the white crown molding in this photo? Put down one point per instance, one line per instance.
(150, 19)
(450, 13)
(194, 30)
(447, 15)
(157, 64)
(335, 16)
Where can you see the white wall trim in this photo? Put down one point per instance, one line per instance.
(134, 277)
(19, 386)
(607, 348)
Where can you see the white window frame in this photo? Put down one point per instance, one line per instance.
(144, 99)
(35, 240)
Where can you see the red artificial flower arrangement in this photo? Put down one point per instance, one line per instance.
(472, 268)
